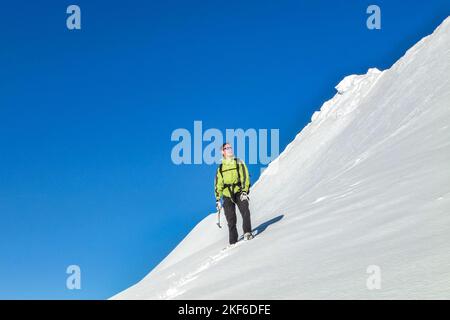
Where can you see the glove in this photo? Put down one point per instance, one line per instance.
(244, 196)
(218, 205)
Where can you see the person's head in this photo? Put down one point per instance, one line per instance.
(227, 150)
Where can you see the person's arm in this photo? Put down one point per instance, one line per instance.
(246, 178)
(218, 185)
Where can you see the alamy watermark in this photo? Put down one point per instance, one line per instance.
(204, 147)
(73, 281)
(374, 20)
(373, 282)
(73, 22)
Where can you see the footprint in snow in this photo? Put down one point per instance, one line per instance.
(176, 287)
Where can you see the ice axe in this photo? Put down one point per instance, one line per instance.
(218, 218)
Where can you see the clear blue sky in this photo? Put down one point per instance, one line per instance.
(86, 117)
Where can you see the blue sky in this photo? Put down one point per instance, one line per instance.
(86, 117)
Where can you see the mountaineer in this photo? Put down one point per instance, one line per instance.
(232, 184)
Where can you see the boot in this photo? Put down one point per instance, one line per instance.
(248, 236)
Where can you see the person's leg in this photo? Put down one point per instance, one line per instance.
(245, 213)
(230, 214)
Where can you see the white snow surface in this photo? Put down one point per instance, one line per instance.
(366, 183)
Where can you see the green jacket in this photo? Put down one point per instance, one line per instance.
(227, 178)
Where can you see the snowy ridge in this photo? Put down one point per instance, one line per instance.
(365, 183)
(350, 91)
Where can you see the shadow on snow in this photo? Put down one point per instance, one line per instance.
(263, 226)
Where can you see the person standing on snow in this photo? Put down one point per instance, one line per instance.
(232, 183)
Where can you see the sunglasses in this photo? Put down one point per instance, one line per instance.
(227, 148)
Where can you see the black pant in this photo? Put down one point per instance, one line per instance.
(230, 214)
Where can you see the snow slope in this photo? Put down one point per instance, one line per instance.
(367, 182)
